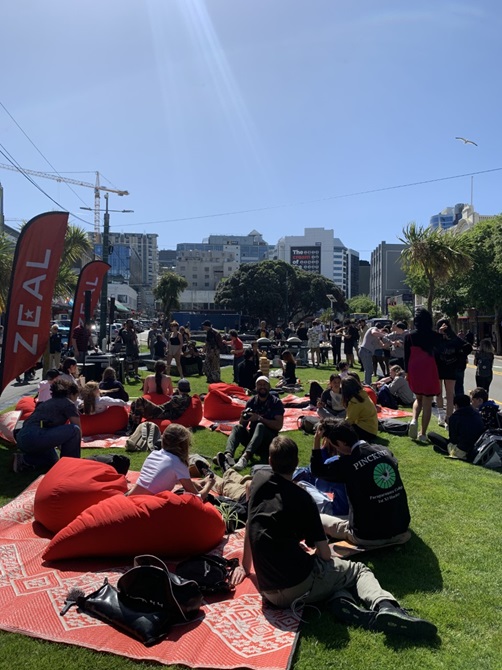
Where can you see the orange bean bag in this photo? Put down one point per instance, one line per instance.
(190, 418)
(26, 406)
(165, 524)
(112, 420)
(371, 392)
(229, 389)
(219, 406)
(71, 486)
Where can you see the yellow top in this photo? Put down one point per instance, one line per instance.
(363, 414)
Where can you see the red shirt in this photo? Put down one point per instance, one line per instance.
(238, 347)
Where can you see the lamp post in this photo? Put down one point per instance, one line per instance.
(105, 254)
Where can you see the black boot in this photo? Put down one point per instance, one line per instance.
(391, 618)
(349, 612)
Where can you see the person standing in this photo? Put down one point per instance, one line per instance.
(237, 349)
(212, 350)
(81, 341)
(55, 347)
(483, 360)
(372, 341)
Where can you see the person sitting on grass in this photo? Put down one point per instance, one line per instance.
(330, 404)
(465, 426)
(489, 410)
(45, 387)
(397, 386)
(165, 467)
(246, 371)
(378, 505)
(280, 517)
(264, 413)
(288, 370)
(142, 408)
(361, 411)
(110, 385)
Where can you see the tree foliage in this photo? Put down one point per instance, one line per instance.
(277, 291)
(431, 259)
(363, 304)
(76, 245)
(168, 291)
(400, 313)
(6, 258)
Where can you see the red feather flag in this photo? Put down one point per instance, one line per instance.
(37, 258)
(90, 279)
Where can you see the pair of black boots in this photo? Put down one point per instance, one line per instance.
(387, 618)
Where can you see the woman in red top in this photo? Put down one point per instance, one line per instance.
(237, 349)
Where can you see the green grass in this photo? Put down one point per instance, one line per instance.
(449, 572)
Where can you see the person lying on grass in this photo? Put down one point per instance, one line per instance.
(280, 516)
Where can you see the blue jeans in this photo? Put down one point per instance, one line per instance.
(39, 444)
(367, 360)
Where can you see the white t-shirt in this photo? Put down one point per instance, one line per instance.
(44, 391)
(161, 471)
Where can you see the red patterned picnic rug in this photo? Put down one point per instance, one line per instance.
(239, 632)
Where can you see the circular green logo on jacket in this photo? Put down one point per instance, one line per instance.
(384, 476)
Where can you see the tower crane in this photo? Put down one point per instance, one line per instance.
(66, 180)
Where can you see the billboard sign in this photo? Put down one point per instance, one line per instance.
(307, 258)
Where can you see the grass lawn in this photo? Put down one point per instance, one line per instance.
(449, 572)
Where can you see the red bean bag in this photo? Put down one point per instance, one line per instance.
(190, 418)
(112, 420)
(229, 389)
(71, 486)
(165, 524)
(157, 398)
(219, 406)
(371, 392)
(26, 406)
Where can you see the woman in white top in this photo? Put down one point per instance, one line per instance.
(168, 466)
(159, 382)
(92, 402)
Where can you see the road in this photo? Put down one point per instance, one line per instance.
(496, 385)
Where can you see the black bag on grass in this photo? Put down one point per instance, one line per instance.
(120, 462)
(308, 424)
(393, 426)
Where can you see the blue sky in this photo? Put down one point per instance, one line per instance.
(201, 107)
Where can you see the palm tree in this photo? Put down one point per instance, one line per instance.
(76, 245)
(431, 258)
(168, 291)
(6, 258)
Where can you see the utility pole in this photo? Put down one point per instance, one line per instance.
(103, 315)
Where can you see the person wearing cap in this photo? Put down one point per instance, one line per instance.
(212, 350)
(260, 422)
(142, 408)
(45, 386)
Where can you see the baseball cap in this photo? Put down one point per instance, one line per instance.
(262, 378)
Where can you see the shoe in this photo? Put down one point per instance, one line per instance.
(424, 439)
(241, 464)
(348, 612)
(440, 450)
(203, 468)
(229, 459)
(393, 619)
(413, 430)
(221, 461)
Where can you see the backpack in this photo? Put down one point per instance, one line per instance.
(120, 462)
(488, 450)
(308, 424)
(146, 437)
(393, 426)
(212, 573)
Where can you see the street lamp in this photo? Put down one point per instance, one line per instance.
(105, 244)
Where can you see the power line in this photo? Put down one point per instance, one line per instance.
(313, 201)
(38, 150)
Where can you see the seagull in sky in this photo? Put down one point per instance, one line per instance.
(466, 141)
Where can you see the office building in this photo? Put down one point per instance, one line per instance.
(387, 279)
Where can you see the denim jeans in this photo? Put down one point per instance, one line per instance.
(259, 441)
(39, 444)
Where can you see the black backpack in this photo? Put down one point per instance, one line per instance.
(308, 424)
(212, 573)
(393, 426)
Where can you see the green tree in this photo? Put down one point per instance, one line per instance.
(76, 245)
(275, 291)
(400, 313)
(6, 258)
(431, 258)
(363, 304)
(168, 291)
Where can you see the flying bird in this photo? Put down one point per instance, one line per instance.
(466, 141)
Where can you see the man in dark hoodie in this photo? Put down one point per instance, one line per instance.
(465, 426)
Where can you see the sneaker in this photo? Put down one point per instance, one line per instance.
(348, 612)
(393, 619)
(229, 459)
(241, 464)
(413, 430)
(423, 439)
(440, 450)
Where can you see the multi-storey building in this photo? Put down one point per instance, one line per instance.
(387, 279)
(320, 252)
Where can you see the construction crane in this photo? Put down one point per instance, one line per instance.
(66, 180)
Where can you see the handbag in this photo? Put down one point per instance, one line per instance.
(146, 603)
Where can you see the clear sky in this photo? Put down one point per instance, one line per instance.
(203, 107)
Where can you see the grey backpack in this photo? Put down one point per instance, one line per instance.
(146, 437)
